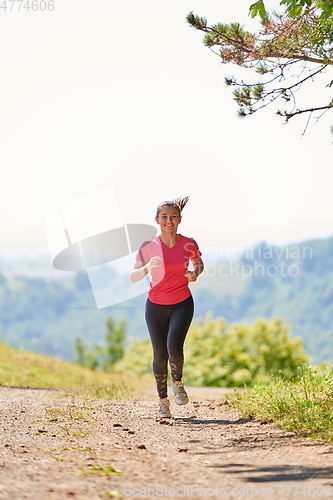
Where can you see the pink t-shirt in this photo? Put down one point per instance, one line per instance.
(168, 284)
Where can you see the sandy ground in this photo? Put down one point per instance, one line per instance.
(58, 447)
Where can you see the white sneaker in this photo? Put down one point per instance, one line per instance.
(164, 408)
(181, 397)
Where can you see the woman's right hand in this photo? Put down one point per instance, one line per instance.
(154, 262)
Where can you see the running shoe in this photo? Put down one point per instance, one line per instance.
(164, 408)
(181, 397)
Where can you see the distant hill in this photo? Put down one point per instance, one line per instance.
(45, 314)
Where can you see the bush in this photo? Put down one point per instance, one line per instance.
(240, 355)
(138, 358)
(228, 356)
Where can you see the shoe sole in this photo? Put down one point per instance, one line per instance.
(165, 416)
(182, 402)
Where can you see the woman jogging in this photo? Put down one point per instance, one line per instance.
(169, 305)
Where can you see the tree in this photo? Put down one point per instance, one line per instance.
(295, 7)
(106, 356)
(290, 50)
(114, 340)
(84, 356)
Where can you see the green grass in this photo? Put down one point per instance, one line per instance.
(304, 406)
(26, 369)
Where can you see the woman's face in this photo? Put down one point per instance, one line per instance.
(168, 218)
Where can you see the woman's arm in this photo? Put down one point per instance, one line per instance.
(198, 268)
(139, 271)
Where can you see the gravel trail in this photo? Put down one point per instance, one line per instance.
(55, 447)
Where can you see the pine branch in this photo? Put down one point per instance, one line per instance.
(283, 41)
(300, 111)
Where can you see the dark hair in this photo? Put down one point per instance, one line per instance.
(178, 203)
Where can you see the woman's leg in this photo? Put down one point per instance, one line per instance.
(179, 324)
(157, 319)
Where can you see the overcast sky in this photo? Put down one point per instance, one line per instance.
(124, 95)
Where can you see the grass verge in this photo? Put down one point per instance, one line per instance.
(27, 369)
(304, 406)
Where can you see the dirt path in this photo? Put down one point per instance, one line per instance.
(57, 447)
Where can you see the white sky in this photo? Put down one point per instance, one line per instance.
(124, 95)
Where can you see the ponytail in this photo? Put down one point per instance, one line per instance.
(181, 202)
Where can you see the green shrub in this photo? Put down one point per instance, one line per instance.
(240, 355)
(138, 358)
(228, 356)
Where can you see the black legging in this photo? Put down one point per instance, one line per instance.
(168, 326)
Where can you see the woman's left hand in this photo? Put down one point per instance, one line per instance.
(191, 276)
